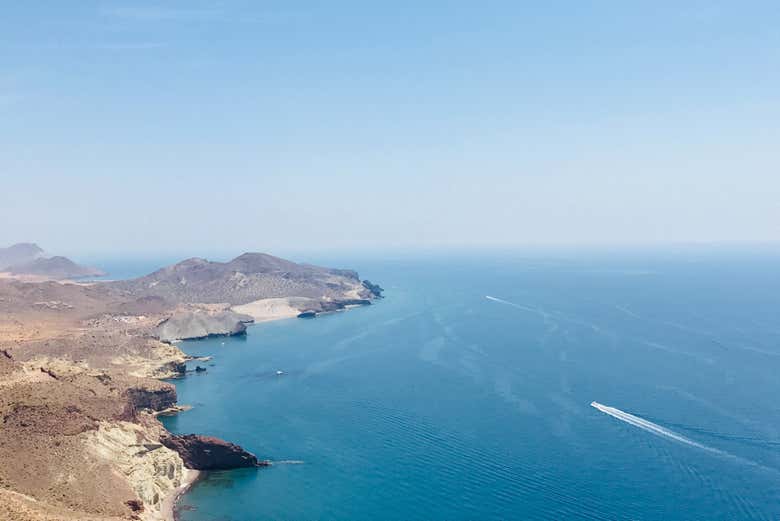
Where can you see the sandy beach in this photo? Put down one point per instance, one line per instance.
(168, 506)
(265, 310)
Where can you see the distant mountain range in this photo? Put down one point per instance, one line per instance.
(21, 253)
(31, 259)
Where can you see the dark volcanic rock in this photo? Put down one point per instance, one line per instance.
(329, 306)
(375, 289)
(356, 302)
(135, 505)
(176, 367)
(337, 305)
(209, 453)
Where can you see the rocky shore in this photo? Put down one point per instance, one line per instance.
(80, 380)
(209, 453)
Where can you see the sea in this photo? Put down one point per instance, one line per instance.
(635, 384)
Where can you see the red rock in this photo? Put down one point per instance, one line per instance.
(209, 453)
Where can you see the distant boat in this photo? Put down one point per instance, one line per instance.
(279, 373)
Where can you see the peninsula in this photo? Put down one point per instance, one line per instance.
(81, 370)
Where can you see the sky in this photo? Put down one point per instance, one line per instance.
(165, 127)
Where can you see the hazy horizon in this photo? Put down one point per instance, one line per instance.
(145, 261)
(173, 128)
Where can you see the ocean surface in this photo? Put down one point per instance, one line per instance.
(466, 394)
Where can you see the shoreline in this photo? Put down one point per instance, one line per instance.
(88, 356)
(171, 501)
(169, 505)
(168, 508)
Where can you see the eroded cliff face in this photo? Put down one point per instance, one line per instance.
(154, 397)
(84, 443)
(201, 323)
(152, 471)
(79, 443)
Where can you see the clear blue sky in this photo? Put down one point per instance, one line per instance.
(243, 125)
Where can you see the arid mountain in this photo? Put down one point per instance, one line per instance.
(247, 278)
(21, 253)
(55, 268)
(80, 365)
(29, 259)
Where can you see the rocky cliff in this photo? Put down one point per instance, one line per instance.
(191, 324)
(151, 471)
(152, 397)
(209, 453)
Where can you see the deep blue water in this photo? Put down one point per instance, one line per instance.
(440, 404)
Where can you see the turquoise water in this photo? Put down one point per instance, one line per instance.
(438, 403)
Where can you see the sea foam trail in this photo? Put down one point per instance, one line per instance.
(549, 321)
(663, 432)
(518, 306)
(651, 427)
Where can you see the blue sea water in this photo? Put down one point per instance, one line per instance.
(438, 403)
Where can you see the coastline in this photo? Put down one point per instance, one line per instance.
(89, 358)
(171, 501)
(168, 508)
(261, 313)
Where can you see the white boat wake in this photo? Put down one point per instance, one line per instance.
(518, 306)
(663, 432)
(550, 322)
(651, 427)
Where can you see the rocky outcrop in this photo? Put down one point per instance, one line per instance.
(375, 289)
(201, 324)
(209, 453)
(328, 306)
(152, 471)
(152, 398)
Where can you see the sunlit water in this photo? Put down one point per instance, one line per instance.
(438, 403)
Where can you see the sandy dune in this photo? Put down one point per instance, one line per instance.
(267, 309)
